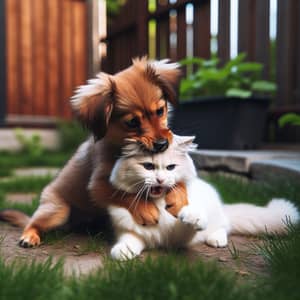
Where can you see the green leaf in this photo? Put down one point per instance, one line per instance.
(211, 63)
(191, 61)
(249, 67)
(238, 93)
(235, 61)
(264, 86)
(290, 118)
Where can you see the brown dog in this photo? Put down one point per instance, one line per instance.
(130, 104)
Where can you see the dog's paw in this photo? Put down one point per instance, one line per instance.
(218, 238)
(123, 252)
(30, 238)
(175, 200)
(145, 213)
(189, 215)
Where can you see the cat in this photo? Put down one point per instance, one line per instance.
(204, 219)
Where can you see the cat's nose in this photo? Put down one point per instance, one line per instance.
(159, 181)
(160, 145)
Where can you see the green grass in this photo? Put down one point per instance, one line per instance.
(283, 257)
(233, 189)
(22, 185)
(25, 184)
(10, 161)
(167, 277)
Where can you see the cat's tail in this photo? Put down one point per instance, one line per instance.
(272, 218)
(14, 217)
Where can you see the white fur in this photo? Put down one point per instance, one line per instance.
(164, 64)
(204, 219)
(93, 87)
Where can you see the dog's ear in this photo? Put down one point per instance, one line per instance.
(166, 75)
(93, 104)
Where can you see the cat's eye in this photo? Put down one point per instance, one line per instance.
(170, 167)
(148, 166)
(160, 111)
(133, 123)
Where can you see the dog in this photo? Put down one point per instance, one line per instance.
(132, 104)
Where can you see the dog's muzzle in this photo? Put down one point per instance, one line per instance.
(160, 145)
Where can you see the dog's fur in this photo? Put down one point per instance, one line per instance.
(130, 104)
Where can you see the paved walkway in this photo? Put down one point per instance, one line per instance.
(259, 164)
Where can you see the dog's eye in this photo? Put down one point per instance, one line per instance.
(133, 123)
(160, 111)
(170, 167)
(148, 166)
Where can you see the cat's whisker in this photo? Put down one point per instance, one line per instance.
(136, 199)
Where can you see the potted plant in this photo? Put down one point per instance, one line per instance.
(288, 130)
(225, 107)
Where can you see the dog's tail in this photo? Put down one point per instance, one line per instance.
(14, 217)
(252, 219)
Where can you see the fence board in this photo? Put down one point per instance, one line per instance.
(38, 60)
(2, 63)
(262, 35)
(67, 56)
(53, 56)
(79, 23)
(246, 28)
(142, 27)
(286, 51)
(297, 100)
(202, 29)
(181, 34)
(224, 31)
(12, 51)
(46, 43)
(26, 57)
(163, 33)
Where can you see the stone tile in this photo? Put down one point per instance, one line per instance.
(281, 168)
(39, 171)
(238, 161)
(9, 142)
(20, 197)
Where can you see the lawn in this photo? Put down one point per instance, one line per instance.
(170, 276)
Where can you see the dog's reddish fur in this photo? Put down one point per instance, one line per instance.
(109, 106)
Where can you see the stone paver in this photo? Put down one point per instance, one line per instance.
(20, 197)
(39, 171)
(9, 142)
(249, 162)
(283, 168)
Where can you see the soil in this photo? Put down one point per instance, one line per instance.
(82, 258)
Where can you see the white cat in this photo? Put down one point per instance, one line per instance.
(204, 219)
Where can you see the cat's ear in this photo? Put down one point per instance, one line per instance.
(185, 143)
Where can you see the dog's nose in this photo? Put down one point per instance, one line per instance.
(160, 145)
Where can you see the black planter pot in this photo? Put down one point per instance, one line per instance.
(222, 123)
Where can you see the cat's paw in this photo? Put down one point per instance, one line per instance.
(189, 215)
(218, 238)
(123, 252)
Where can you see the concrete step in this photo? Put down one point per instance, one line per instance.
(257, 164)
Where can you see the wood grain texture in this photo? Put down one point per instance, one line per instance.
(53, 59)
(46, 49)
(12, 56)
(26, 84)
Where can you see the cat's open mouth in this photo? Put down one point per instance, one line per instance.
(156, 191)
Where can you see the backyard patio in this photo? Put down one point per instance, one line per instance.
(227, 49)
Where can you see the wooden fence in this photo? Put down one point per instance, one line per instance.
(46, 55)
(128, 36)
